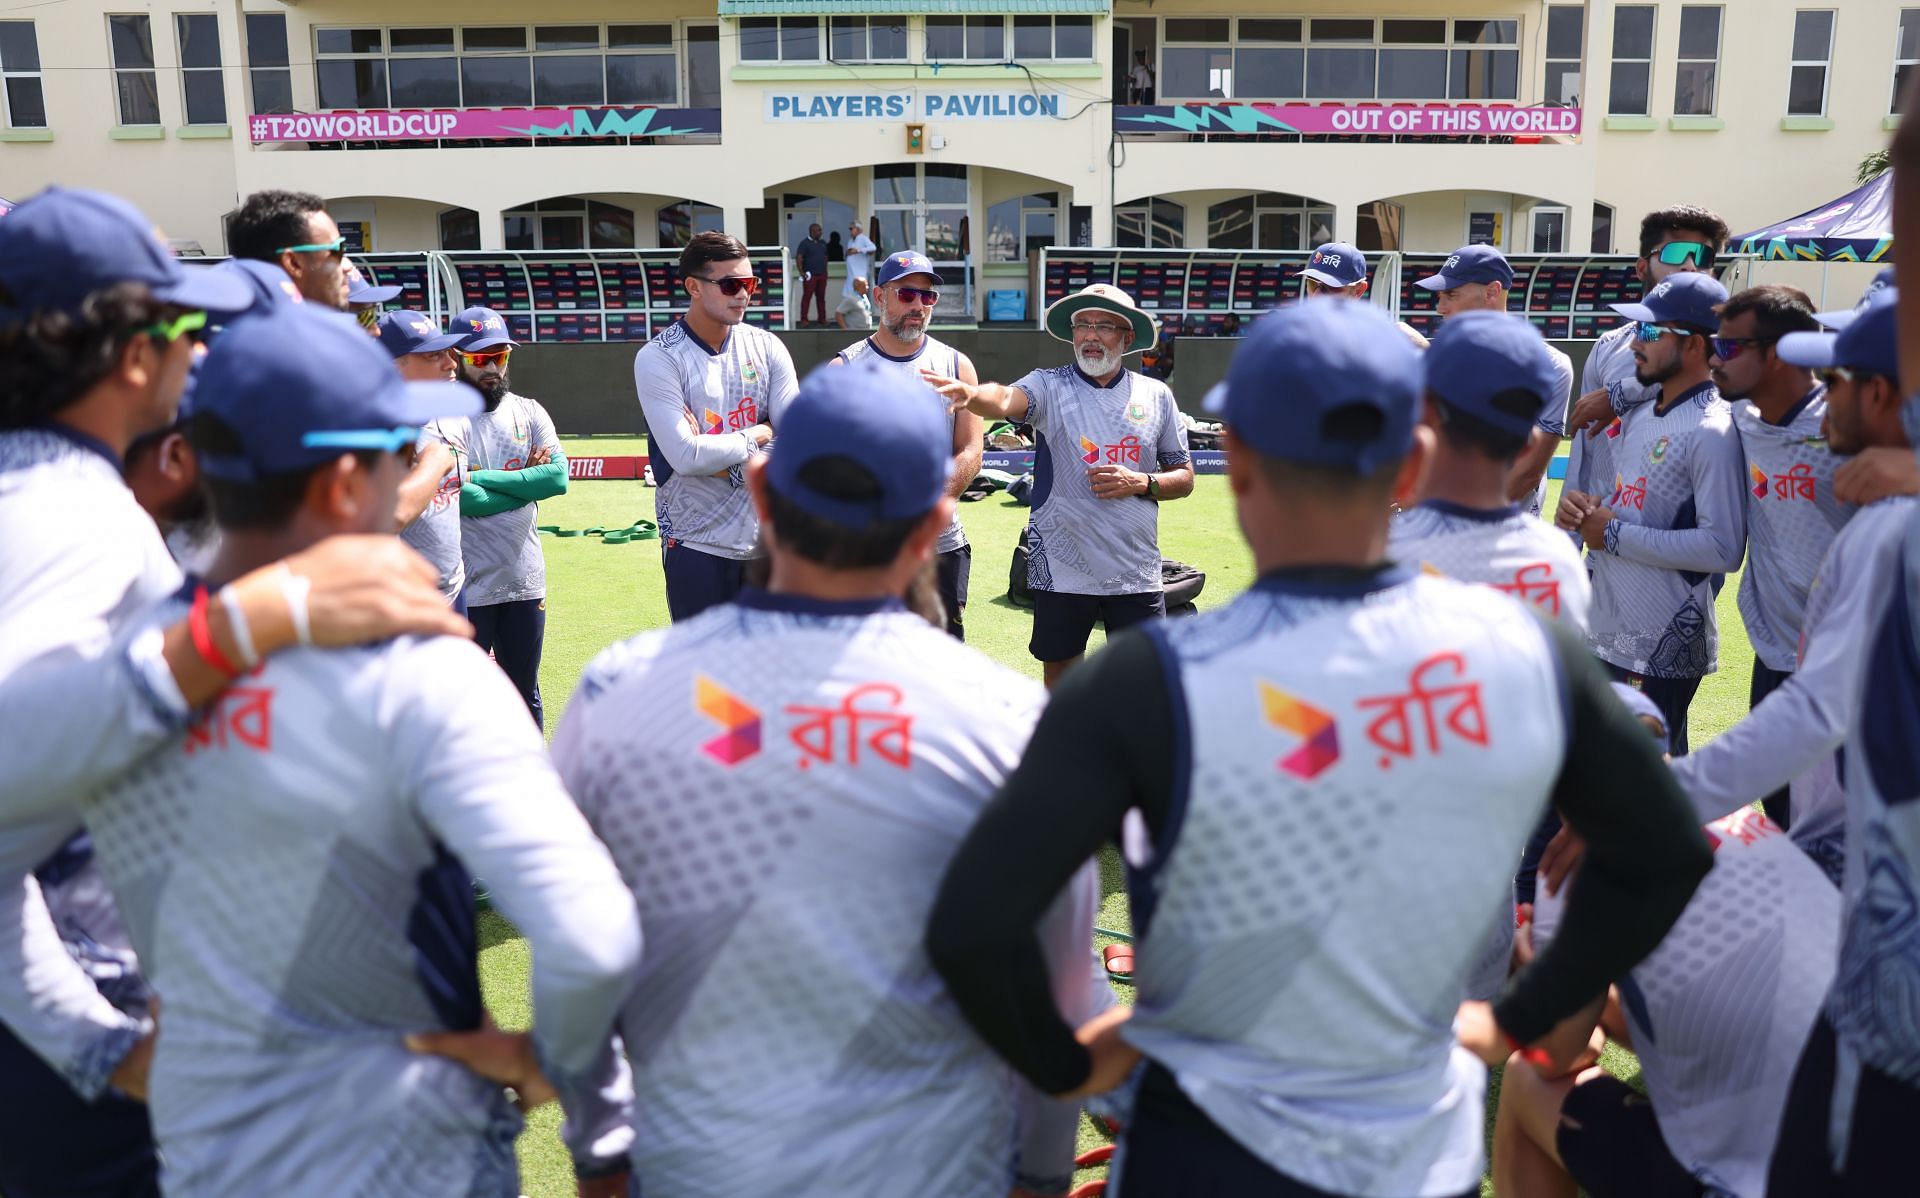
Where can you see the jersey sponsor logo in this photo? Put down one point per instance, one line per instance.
(1125, 450)
(1629, 493)
(1657, 452)
(741, 739)
(1089, 452)
(1440, 704)
(1312, 725)
(242, 715)
(880, 727)
(1797, 483)
(1759, 477)
(1534, 583)
(710, 422)
(1614, 429)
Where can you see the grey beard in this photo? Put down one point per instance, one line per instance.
(908, 335)
(1095, 366)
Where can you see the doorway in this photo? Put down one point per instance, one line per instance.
(925, 206)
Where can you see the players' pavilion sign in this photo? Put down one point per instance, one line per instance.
(917, 104)
(1396, 120)
(438, 124)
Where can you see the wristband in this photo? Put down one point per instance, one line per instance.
(295, 588)
(203, 637)
(242, 634)
(1537, 1057)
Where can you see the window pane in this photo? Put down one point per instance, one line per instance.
(266, 39)
(510, 38)
(563, 233)
(1899, 86)
(1279, 231)
(1566, 29)
(1693, 89)
(1230, 224)
(1196, 71)
(519, 230)
(1033, 37)
(495, 82)
(132, 41)
(1169, 225)
(1042, 231)
(272, 91)
(26, 104)
(946, 38)
(703, 66)
(1003, 231)
(19, 48)
(1269, 31)
(1073, 37)
(1487, 33)
(459, 229)
(640, 79)
(1340, 74)
(1191, 30)
(425, 82)
(848, 40)
(1485, 75)
(1563, 83)
(1699, 32)
(896, 231)
(1602, 230)
(633, 37)
(1342, 31)
(566, 37)
(206, 97)
(945, 184)
(1413, 74)
(353, 83)
(569, 79)
(1812, 36)
(943, 233)
(799, 39)
(892, 184)
(986, 37)
(199, 40)
(1419, 33)
(348, 41)
(1129, 231)
(609, 227)
(1807, 91)
(1909, 34)
(759, 39)
(887, 38)
(139, 97)
(1268, 74)
(1549, 232)
(1633, 31)
(1628, 94)
(421, 41)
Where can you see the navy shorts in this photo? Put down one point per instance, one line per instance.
(1611, 1144)
(55, 1144)
(697, 581)
(1062, 622)
(1879, 1134)
(951, 570)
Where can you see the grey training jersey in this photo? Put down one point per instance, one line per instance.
(782, 782)
(1080, 544)
(1553, 419)
(502, 552)
(699, 403)
(436, 533)
(1721, 1009)
(1505, 549)
(1609, 367)
(940, 358)
(1792, 516)
(1679, 518)
(292, 871)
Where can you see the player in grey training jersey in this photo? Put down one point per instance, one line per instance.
(782, 781)
(1109, 446)
(429, 510)
(1676, 514)
(512, 460)
(907, 289)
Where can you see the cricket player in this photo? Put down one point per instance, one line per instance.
(907, 290)
(428, 513)
(1676, 513)
(97, 324)
(1338, 270)
(513, 460)
(1094, 535)
(292, 230)
(1291, 774)
(364, 297)
(1478, 278)
(782, 782)
(710, 388)
(1791, 736)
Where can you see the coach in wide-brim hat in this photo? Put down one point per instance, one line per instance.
(1105, 298)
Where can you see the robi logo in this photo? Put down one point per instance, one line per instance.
(1089, 452)
(1759, 481)
(741, 739)
(1304, 720)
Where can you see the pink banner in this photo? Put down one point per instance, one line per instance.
(1431, 120)
(415, 124)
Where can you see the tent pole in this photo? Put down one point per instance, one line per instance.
(1824, 268)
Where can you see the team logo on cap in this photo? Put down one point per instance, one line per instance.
(1312, 725)
(741, 739)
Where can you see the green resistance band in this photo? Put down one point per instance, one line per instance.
(639, 530)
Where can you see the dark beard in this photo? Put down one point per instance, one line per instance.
(493, 393)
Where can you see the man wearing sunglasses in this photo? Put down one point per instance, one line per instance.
(292, 230)
(513, 460)
(1675, 514)
(1338, 270)
(710, 387)
(907, 291)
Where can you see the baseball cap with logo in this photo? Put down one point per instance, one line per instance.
(360, 291)
(1870, 342)
(1692, 299)
(299, 386)
(1336, 264)
(1493, 366)
(899, 266)
(267, 285)
(404, 333)
(65, 244)
(903, 443)
(1323, 385)
(1840, 320)
(480, 328)
(1470, 264)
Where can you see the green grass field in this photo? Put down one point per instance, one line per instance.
(598, 594)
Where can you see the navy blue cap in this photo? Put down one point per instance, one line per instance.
(876, 417)
(1840, 320)
(360, 291)
(1336, 264)
(267, 286)
(300, 386)
(1478, 355)
(64, 244)
(404, 333)
(1870, 342)
(1301, 364)
(1470, 264)
(908, 262)
(1691, 298)
(480, 328)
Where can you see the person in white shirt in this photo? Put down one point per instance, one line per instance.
(860, 252)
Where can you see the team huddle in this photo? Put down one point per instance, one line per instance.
(810, 884)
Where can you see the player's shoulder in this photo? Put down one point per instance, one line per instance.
(1150, 387)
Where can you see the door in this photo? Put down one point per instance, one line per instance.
(1122, 61)
(924, 206)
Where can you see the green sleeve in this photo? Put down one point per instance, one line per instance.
(476, 500)
(532, 484)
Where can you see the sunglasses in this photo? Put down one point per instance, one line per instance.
(733, 285)
(919, 295)
(1728, 348)
(184, 325)
(1649, 331)
(1681, 253)
(335, 249)
(493, 357)
(369, 316)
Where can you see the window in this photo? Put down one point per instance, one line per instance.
(269, 74)
(780, 39)
(134, 82)
(1486, 61)
(868, 39)
(567, 65)
(1549, 230)
(1812, 54)
(1151, 223)
(679, 222)
(1340, 62)
(1022, 226)
(567, 223)
(1055, 38)
(1268, 60)
(1566, 35)
(641, 67)
(802, 209)
(1906, 54)
(703, 66)
(495, 70)
(957, 39)
(1632, 60)
(202, 91)
(349, 72)
(1197, 60)
(1268, 221)
(422, 71)
(23, 102)
(1693, 79)
(1413, 59)
(459, 229)
(1602, 229)
(1339, 59)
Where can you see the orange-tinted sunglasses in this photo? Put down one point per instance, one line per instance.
(493, 357)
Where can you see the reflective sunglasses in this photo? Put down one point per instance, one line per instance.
(1728, 348)
(1649, 331)
(918, 295)
(369, 316)
(1680, 253)
(733, 285)
(335, 249)
(1100, 328)
(185, 324)
(493, 357)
